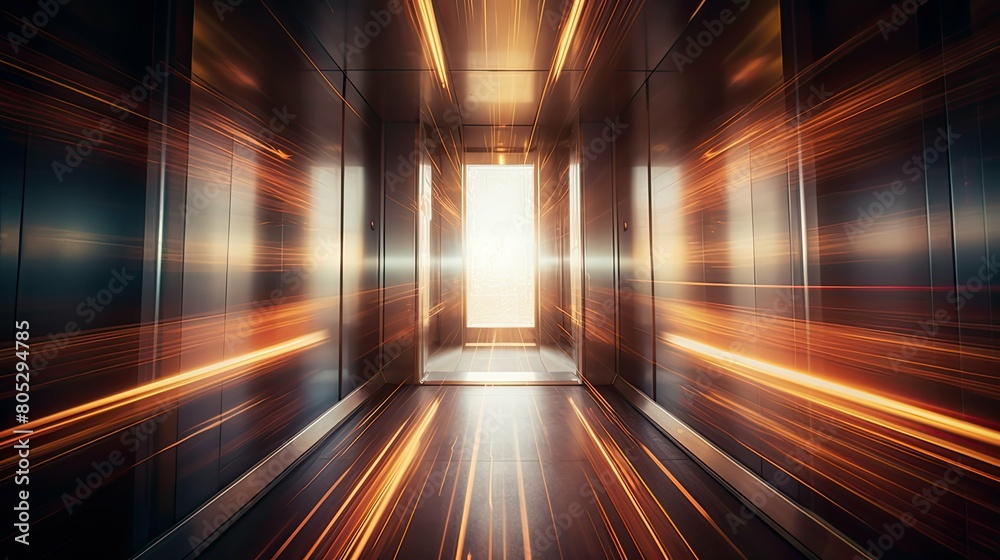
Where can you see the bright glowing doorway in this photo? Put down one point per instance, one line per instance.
(500, 261)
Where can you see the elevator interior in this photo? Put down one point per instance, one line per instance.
(744, 303)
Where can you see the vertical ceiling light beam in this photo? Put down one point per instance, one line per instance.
(566, 39)
(432, 39)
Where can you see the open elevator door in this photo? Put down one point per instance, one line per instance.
(492, 293)
(501, 261)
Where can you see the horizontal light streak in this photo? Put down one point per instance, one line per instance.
(205, 374)
(860, 399)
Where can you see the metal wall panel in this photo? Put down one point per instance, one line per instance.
(242, 252)
(629, 136)
(206, 254)
(72, 242)
(265, 174)
(398, 352)
(361, 215)
(780, 246)
(441, 148)
(598, 219)
(12, 154)
(555, 326)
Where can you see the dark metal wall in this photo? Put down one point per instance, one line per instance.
(230, 204)
(783, 259)
(277, 242)
(398, 356)
(599, 263)
(555, 295)
(361, 221)
(441, 150)
(73, 199)
(629, 136)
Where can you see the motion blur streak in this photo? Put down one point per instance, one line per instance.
(378, 489)
(140, 399)
(626, 475)
(856, 402)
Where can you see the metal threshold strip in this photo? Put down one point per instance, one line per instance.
(500, 378)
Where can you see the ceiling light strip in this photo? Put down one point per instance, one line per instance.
(566, 38)
(428, 25)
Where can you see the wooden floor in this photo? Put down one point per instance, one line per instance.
(498, 472)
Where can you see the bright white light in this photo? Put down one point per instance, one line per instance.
(500, 246)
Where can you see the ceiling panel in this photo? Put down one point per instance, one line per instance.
(496, 138)
(508, 35)
(498, 97)
(618, 45)
(498, 55)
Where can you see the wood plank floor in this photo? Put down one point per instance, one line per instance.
(497, 472)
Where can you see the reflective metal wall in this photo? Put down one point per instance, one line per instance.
(199, 270)
(444, 161)
(72, 207)
(361, 221)
(272, 198)
(629, 136)
(399, 355)
(599, 254)
(555, 237)
(821, 188)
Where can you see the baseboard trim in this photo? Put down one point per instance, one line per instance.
(806, 531)
(196, 532)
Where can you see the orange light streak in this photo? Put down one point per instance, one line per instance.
(209, 374)
(432, 39)
(860, 402)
